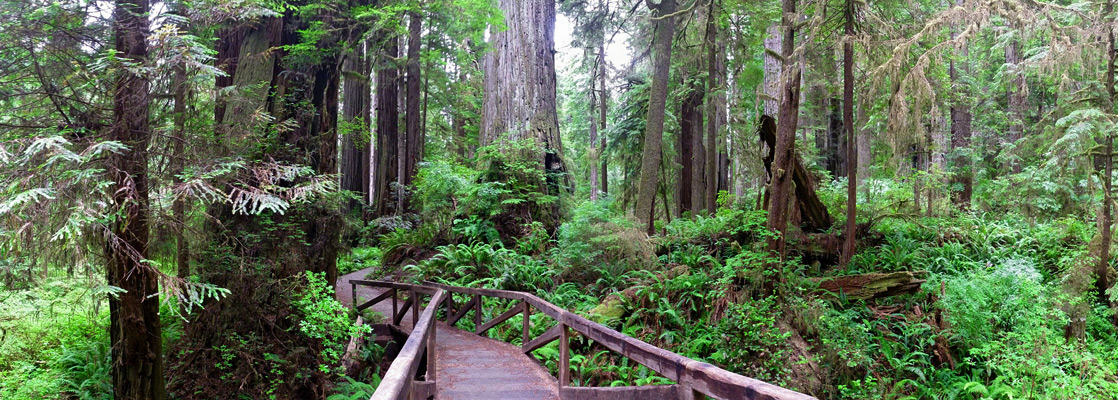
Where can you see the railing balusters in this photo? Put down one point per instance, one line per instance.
(527, 313)
(696, 380)
(414, 308)
(564, 356)
(477, 314)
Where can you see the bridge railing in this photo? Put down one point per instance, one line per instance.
(695, 380)
(399, 381)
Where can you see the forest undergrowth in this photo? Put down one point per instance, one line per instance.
(1005, 312)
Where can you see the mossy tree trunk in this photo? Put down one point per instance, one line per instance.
(134, 327)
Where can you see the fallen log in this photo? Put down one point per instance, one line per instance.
(874, 285)
(351, 360)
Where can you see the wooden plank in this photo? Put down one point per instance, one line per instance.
(500, 318)
(655, 392)
(547, 337)
(461, 312)
(374, 301)
(397, 382)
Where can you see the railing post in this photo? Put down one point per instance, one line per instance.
(414, 308)
(477, 314)
(353, 290)
(527, 313)
(394, 307)
(432, 344)
(564, 356)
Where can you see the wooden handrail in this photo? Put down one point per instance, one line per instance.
(694, 379)
(698, 376)
(399, 381)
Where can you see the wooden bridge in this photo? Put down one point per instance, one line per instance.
(469, 365)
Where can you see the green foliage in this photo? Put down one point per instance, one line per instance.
(350, 389)
(754, 344)
(596, 245)
(360, 258)
(325, 319)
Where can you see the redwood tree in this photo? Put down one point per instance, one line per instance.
(781, 190)
(134, 327)
(520, 92)
(654, 123)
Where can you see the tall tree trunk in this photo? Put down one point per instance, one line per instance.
(520, 93)
(603, 106)
(1102, 270)
(594, 150)
(134, 327)
(386, 155)
(770, 102)
(785, 148)
(409, 157)
(960, 140)
(459, 124)
(178, 162)
(1016, 97)
(693, 104)
(356, 113)
(654, 123)
(712, 152)
(850, 236)
(685, 192)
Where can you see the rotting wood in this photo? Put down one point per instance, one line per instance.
(814, 213)
(350, 362)
(873, 286)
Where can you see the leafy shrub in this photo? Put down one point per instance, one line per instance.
(325, 319)
(753, 344)
(596, 243)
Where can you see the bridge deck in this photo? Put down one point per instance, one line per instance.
(470, 366)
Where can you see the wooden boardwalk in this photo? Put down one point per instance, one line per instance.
(469, 365)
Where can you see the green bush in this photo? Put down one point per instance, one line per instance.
(325, 319)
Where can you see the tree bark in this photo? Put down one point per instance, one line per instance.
(809, 213)
(685, 197)
(850, 234)
(520, 94)
(356, 113)
(1102, 270)
(654, 123)
(603, 107)
(134, 327)
(594, 149)
(178, 162)
(712, 125)
(409, 157)
(1016, 97)
(693, 104)
(960, 140)
(386, 156)
(785, 148)
(770, 102)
